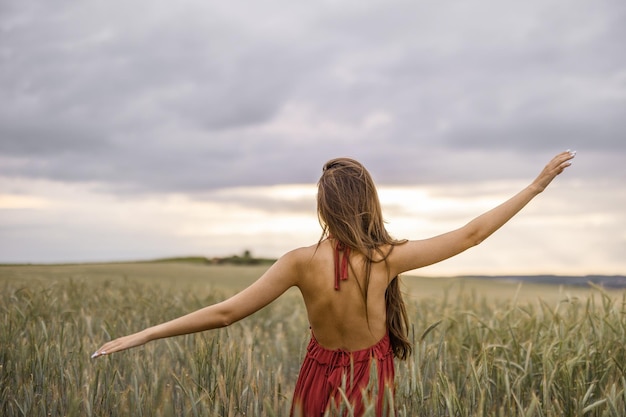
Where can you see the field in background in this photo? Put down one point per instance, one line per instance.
(480, 347)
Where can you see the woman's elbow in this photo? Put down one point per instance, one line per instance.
(223, 317)
(474, 238)
(226, 319)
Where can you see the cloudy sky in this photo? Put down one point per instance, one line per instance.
(141, 129)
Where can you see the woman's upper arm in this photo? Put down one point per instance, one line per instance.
(282, 275)
(416, 254)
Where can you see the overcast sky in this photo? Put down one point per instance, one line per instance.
(133, 129)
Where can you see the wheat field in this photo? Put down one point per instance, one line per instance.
(479, 349)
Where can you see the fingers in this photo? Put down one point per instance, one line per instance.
(119, 344)
(568, 155)
(100, 352)
(563, 160)
(553, 168)
(564, 156)
(106, 349)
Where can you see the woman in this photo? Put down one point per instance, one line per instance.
(350, 288)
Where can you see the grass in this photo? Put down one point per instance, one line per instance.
(479, 349)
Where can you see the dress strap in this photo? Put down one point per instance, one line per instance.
(341, 265)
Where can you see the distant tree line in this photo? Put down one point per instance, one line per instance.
(245, 258)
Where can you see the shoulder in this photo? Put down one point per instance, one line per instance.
(399, 255)
(300, 257)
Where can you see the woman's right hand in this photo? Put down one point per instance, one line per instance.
(121, 343)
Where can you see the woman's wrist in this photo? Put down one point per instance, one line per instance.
(535, 189)
(148, 335)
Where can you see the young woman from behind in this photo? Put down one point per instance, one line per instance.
(349, 284)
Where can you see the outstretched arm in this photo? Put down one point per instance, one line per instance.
(274, 282)
(419, 253)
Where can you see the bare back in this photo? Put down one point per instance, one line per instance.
(338, 317)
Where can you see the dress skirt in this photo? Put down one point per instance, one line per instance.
(332, 382)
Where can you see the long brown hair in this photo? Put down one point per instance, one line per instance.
(349, 210)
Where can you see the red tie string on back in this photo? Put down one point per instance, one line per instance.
(341, 265)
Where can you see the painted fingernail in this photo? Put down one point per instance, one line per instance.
(95, 355)
(573, 153)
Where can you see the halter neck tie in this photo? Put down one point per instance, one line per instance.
(341, 265)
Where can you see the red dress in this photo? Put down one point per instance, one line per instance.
(329, 380)
(327, 375)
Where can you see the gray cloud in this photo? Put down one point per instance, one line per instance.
(155, 96)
